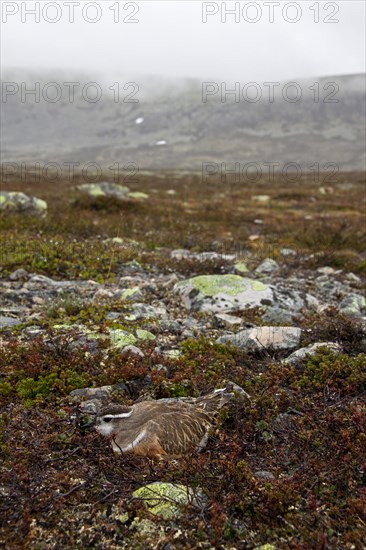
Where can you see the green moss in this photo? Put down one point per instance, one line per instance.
(334, 372)
(6, 388)
(30, 389)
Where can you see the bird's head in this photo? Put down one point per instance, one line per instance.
(111, 418)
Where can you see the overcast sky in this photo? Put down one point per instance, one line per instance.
(171, 39)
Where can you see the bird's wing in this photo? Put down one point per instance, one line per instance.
(179, 431)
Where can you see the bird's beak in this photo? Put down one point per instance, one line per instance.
(87, 421)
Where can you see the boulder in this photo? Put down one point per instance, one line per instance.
(223, 293)
(260, 338)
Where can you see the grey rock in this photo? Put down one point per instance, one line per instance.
(18, 275)
(180, 253)
(353, 278)
(168, 325)
(267, 337)
(297, 356)
(146, 311)
(8, 322)
(288, 252)
(292, 300)
(265, 475)
(33, 331)
(104, 189)
(41, 280)
(92, 393)
(275, 314)
(16, 202)
(353, 304)
(267, 266)
(186, 333)
(113, 315)
(224, 319)
(170, 280)
(328, 270)
(132, 350)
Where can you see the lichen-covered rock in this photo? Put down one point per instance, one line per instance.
(353, 304)
(121, 338)
(264, 338)
(146, 311)
(223, 293)
(16, 202)
(165, 499)
(138, 195)
(104, 189)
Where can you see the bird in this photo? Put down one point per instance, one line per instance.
(161, 428)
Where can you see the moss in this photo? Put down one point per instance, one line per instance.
(334, 372)
(30, 389)
(6, 388)
(304, 425)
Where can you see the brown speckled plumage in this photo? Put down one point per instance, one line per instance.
(166, 427)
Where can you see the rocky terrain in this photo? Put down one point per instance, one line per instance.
(172, 289)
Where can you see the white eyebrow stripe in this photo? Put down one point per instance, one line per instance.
(120, 415)
(135, 442)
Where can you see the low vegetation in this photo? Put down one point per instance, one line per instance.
(286, 469)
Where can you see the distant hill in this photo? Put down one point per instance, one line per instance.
(170, 127)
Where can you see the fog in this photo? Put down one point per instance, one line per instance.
(171, 39)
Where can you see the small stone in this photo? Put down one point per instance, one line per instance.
(179, 254)
(353, 278)
(288, 252)
(241, 267)
(133, 350)
(8, 322)
(225, 319)
(267, 266)
(261, 198)
(131, 293)
(18, 275)
(328, 270)
(92, 393)
(33, 331)
(264, 474)
(172, 353)
(121, 338)
(113, 315)
(104, 189)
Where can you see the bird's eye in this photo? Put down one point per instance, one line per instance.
(107, 418)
